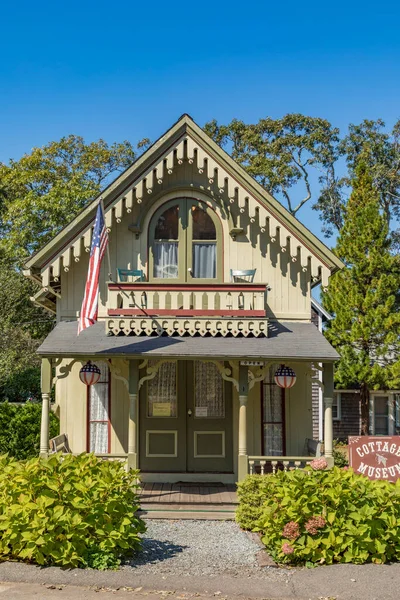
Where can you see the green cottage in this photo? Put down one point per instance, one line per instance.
(209, 294)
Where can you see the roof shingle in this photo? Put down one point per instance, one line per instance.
(286, 340)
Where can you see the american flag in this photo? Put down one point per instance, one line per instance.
(90, 302)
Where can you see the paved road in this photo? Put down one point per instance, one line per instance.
(35, 591)
(339, 582)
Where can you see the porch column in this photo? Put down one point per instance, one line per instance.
(45, 384)
(328, 421)
(243, 396)
(133, 414)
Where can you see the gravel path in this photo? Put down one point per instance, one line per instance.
(190, 548)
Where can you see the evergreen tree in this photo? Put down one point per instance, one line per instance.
(364, 297)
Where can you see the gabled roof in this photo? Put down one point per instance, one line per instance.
(157, 162)
(320, 310)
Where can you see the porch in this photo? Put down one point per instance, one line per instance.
(175, 430)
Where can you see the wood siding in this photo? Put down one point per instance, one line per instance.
(349, 423)
(289, 282)
(315, 410)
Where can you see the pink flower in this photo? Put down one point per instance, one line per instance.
(318, 464)
(287, 549)
(291, 530)
(314, 524)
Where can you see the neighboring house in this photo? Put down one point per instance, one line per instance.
(384, 405)
(187, 346)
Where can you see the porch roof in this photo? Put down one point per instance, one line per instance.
(286, 340)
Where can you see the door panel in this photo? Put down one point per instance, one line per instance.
(186, 420)
(162, 418)
(209, 420)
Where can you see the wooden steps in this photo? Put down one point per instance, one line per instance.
(194, 514)
(188, 501)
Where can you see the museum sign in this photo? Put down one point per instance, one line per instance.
(375, 457)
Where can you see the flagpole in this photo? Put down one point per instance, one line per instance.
(108, 245)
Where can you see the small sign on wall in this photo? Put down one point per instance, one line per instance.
(161, 409)
(201, 411)
(252, 363)
(375, 457)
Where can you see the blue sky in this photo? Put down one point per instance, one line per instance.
(128, 70)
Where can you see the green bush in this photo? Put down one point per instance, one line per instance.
(251, 494)
(20, 429)
(20, 385)
(309, 517)
(75, 511)
(340, 455)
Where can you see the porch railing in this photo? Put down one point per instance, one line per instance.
(112, 456)
(123, 458)
(187, 300)
(272, 464)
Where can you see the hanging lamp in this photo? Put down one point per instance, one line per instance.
(285, 377)
(90, 373)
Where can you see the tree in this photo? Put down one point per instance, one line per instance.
(364, 297)
(282, 153)
(48, 187)
(22, 327)
(39, 194)
(381, 151)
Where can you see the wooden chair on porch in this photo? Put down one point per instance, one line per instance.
(312, 448)
(130, 275)
(244, 276)
(60, 444)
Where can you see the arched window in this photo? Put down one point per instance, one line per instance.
(185, 240)
(166, 244)
(204, 244)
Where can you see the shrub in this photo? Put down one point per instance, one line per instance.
(20, 429)
(21, 384)
(75, 511)
(310, 517)
(251, 494)
(340, 454)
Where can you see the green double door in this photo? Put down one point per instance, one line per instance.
(185, 417)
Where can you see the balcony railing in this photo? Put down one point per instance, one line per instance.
(271, 464)
(187, 300)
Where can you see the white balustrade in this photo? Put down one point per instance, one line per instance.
(181, 299)
(264, 465)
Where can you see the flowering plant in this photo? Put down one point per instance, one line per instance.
(319, 464)
(291, 530)
(323, 516)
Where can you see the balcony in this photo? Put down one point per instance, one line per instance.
(204, 309)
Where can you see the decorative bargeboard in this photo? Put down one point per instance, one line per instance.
(199, 326)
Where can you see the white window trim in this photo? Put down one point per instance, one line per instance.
(391, 412)
(338, 398)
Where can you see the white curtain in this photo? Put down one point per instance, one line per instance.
(273, 439)
(99, 438)
(162, 389)
(204, 261)
(209, 390)
(98, 412)
(166, 260)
